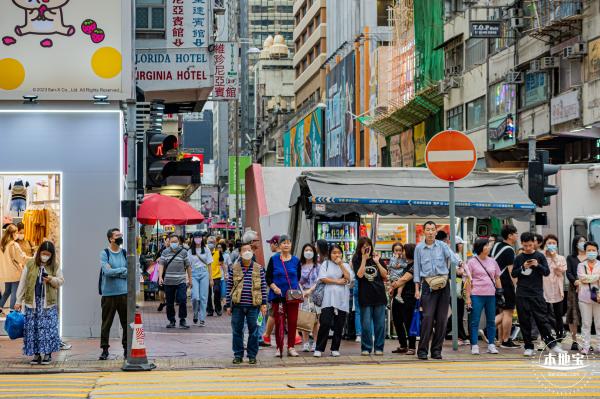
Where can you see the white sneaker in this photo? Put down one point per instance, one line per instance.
(474, 349)
(317, 354)
(313, 347)
(306, 347)
(357, 339)
(335, 354)
(378, 353)
(528, 353)
(277, 353)
(492, 349)
(558, 349)
(292, 352)
(365, 353)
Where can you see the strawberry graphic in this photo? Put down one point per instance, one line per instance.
(97, 35)
(88, 26)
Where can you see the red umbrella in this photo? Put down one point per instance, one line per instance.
(168, 211)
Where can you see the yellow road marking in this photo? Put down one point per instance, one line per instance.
(380, 395)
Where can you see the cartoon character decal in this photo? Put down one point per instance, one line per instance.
(46, 18)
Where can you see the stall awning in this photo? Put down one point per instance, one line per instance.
(409, 192)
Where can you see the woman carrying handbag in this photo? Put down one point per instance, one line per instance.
(283, 273)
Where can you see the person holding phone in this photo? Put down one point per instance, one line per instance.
(589, 278)
(372, 298)
(337, 276)
(529, 269)
(38, 295)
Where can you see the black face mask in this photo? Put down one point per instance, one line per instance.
(119, 241)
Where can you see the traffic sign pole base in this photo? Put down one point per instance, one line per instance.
(137, 366)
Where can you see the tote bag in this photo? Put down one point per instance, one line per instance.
(415, 324)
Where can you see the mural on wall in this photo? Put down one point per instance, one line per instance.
(62, 49)
(339, 125)
(303, 143)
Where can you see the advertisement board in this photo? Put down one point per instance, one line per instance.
(420, 144)
(245, 162)
(395, 151)
(173, 69)
(187, 23)
(339, 125)
(565, 107)
(65, 50)
(303, 143)
(226, 62)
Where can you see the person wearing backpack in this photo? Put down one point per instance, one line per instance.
(112, 286)
(174, 264)
(504, 254)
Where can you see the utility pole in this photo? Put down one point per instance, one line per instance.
(532, 157)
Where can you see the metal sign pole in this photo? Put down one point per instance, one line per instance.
(453, 299)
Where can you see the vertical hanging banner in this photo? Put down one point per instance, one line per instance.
(226, 61)
(187, 24)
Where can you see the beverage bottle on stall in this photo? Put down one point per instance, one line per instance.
(319, 231)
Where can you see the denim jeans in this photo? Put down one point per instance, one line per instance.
(10, 290)
(200, 286)
(372, 317)
(487, 303)
(357, 322)
(249, 315)
(178, 292)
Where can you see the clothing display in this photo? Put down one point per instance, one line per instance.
(18, 198)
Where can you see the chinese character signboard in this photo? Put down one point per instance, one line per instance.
(226, 60)
(187, 23)
(173, 69)
(65, 50)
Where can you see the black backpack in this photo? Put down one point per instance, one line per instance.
(107, 252)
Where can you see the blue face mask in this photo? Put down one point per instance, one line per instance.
(174, 246)
(551, 247)
(592, 255)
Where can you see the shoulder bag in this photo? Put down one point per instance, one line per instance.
(499, 291)
(293, 295)
(169, 262)
(319, 292)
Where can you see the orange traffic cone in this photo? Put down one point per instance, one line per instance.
(138, 360)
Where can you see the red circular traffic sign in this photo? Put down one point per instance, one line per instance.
(450, 155)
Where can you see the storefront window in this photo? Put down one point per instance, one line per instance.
(476, 113)
(502, 100)
(535, 90)
(455, 118)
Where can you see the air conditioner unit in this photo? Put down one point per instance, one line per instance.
(443, 87)
(454, 82)
(550, 62)
(453, 70)
(514, 77)
(535, 66)
(575, 51)
(517, 23)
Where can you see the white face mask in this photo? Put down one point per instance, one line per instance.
(20, 237)
(247, 255)
(198, 240)
(309, 254)
(44, 258)
(581, 246)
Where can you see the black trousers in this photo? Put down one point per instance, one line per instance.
(402, 314)
(556, 313)
(534, 309)
(330, 321)
(460, 315)
(111, 305)
(179, 293)
(435, 316)
(214, 294)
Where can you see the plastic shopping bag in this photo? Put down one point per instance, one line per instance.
(14, 324)
(415, 324)
(154, 274)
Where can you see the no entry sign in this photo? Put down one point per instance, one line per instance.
(450, 155)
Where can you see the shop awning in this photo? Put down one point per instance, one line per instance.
(409, 192)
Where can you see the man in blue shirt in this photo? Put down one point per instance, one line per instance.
(113, 288)
(433, 259)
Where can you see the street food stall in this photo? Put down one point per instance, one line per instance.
(322, 198)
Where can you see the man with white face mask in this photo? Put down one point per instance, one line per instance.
(246, 296)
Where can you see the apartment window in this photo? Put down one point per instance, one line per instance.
(535, 89)
(502, 100)
(506, 39)
(451, 7)
(318, 19)
(569, 74)
(285, 9)
(454, 56)
(476, 113)
(474, 52)
(150, 14)
(382, 11)
(455, 118)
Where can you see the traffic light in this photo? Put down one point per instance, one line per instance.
(539, 170)
(160, 166)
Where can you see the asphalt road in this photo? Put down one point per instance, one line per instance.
(481, 379)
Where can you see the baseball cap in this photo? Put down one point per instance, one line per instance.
(274, 240)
